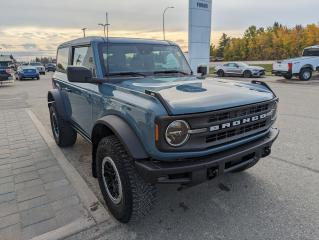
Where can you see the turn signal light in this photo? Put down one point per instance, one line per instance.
(156, 133)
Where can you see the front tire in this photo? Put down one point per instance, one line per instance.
(220, 73)
(127, 196)
(305, 74)
(63, 133)
(247, 74)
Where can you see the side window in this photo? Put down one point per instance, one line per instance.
(311, 52)
(62, 59)
(83, 56)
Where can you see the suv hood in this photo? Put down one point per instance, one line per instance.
(192, 95)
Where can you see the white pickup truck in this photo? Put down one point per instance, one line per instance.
(301, 67)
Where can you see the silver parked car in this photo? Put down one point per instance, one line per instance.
(39, 66)
(239, 69)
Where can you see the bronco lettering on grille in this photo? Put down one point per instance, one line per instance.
(239, 122)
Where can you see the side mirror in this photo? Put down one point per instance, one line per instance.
(202, 71)
(79, 74)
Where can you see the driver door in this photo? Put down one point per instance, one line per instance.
(80, 94)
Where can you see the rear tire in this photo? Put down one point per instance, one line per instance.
(127, 196)
(63, 133)
(288, 76)
(220, 73)
(247, 74)
(305, 74)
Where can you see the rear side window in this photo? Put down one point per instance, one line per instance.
(83, 56)
(62, 59)
(311, 52)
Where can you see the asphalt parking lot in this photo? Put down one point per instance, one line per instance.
(277, 199)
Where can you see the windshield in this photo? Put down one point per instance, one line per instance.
(242, 64)
(144, 59)
(35, 64)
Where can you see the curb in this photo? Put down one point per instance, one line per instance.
(87, 197)
(67, 230)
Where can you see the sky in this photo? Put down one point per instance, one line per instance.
(31, 28)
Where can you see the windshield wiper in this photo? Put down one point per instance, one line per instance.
(138, 74)
(171, 71)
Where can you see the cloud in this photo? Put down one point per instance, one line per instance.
(29, 46)
(46, 24)
(3, 45)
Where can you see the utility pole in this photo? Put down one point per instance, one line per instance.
(83, 29)
(164, 20)
(105, 25)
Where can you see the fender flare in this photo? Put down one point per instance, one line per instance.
(308, 66)
(61, 101)
(125, 133)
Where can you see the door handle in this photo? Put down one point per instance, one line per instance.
(67, 89)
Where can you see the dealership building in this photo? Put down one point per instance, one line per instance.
(199, 31)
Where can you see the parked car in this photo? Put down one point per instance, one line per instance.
(25, 72)
(50, 67)
(151, 121)
(239, 69)
(5, 75)
(302, 67)
(39, 66)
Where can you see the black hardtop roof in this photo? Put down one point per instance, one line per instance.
(89, 40)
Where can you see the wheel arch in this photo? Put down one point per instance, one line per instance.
(115, 125)
(60, 101)
(307, 66)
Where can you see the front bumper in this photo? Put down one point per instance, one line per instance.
(259, 74)
(197, 170)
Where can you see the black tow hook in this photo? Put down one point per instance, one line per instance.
(266, 152)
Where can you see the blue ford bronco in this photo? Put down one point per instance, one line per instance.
(151, 121)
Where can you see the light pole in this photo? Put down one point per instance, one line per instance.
(105, 25)
(83, 29)
(164, 20)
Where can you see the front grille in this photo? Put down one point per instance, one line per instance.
(220, 126)
(235, 132)
(232, 114)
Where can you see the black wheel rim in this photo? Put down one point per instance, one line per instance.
(112, 181)
(55, 126)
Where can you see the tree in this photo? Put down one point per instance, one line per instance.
(223, 42)
(274, 42)
(213, 51)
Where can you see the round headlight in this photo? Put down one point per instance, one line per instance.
(177, 133)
